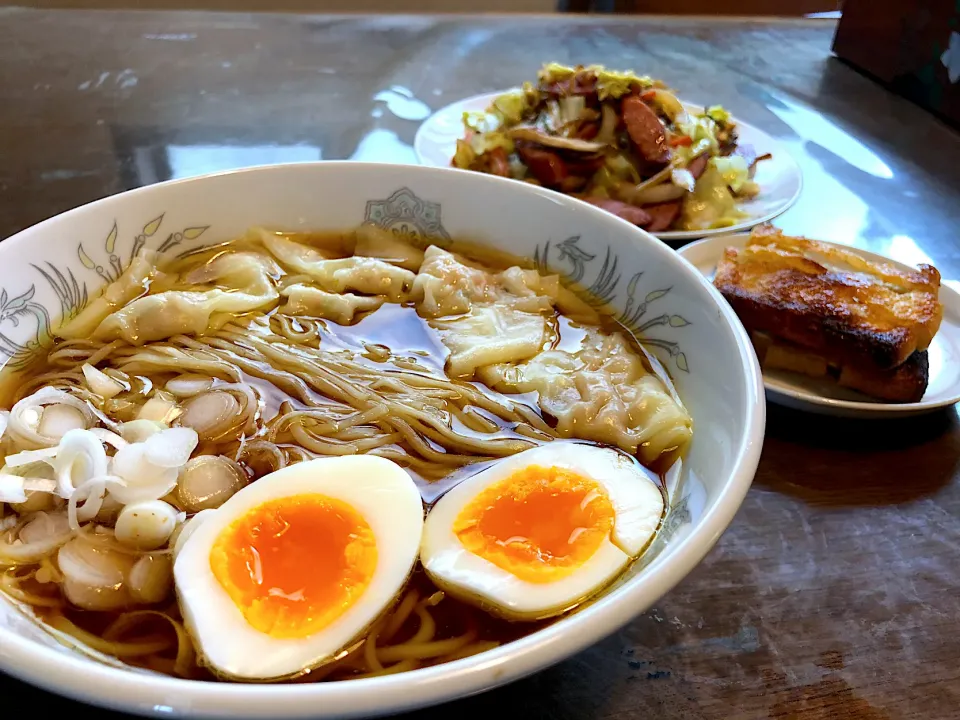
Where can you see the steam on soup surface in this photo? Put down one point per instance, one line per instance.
(324, 456)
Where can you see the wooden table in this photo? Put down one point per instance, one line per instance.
(832, 594)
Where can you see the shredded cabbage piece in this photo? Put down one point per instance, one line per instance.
(702, 130)
(480, 122)
(734, 169)
(464, 157)
(711, 204)
(668, 103)
(718, 114)
(510, 107)
(614, 85)
(571, 108)
(486, 142)
(553, 72)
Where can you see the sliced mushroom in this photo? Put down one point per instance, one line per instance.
(561, 143)
(664, 192)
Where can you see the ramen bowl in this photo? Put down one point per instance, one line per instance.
(58, 266)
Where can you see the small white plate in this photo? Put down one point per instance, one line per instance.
(823, 397)
(779, 177)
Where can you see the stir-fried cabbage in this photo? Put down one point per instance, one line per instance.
(488, 141)
(510, 107)
(571, 108)
(464, 156)
(484, 136)
(683, 178)
(569, 133)
(668, 104)
(612, 84)
(702, 130)
(711, 204)
(622, 168)
(608, 125)
(734, 170)
(603, 183)
(481, 122)
(554, 72)
(718, 114)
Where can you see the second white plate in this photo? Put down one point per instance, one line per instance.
(826, 398)
(779, 177)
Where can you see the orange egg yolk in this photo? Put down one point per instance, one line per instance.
(295, 564)
(539, 524)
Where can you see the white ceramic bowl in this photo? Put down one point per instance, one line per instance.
(57, 265)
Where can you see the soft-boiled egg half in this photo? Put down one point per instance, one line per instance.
(293, 569)
(541, 531)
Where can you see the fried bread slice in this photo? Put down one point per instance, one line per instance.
(903, 384)
(856, 314)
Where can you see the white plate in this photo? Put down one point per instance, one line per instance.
(779, 177)
(824, 397)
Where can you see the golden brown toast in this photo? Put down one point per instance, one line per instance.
(853, 312)
(905, 383)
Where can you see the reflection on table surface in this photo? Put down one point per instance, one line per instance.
(837, 583)
(100, 103)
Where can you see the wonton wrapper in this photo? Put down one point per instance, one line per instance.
(488, 335)
(603, 392)
(132, 283)
(362, 274)
(378, 243)
(338, 307)
(156, 317)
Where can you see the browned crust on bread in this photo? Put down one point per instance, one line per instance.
(905, 383)
(833, 339)
(848, 309)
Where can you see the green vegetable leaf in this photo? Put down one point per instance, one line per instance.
(718, 114)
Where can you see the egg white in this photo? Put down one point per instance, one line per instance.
(638, 507)
(378, 489)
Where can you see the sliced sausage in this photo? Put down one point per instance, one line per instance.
(574, 85)
(698, 165)
(646, 132)
(580, 164)
(546, 166)
(499, 164)
(662, 215)
(573, 183)
(630, 213)
(588, 131)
